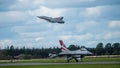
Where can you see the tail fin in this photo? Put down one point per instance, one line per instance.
(60, 18)
(63, 47)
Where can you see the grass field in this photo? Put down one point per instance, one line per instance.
(68, 66)
(97, 59)
(57, 60)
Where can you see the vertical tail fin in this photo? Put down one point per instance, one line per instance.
(60, 18)
(63, 47)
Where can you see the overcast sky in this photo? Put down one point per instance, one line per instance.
(87, 22)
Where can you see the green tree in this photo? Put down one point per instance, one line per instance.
(116, 48)
(99, 49)
(108, 49)
(11, 51)
(73, 47)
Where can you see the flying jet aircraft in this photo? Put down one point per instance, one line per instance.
(75, 54)
(52, 20)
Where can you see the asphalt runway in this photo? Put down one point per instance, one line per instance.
(23, 64)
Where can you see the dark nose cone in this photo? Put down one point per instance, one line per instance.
(62, 22)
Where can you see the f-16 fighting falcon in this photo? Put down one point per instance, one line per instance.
(75, 54)
(52, 20)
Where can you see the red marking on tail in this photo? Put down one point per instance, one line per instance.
(63, 47)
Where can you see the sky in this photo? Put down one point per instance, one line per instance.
(87, 23)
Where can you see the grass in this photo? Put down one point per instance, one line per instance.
(58, 60)
(100, 59)
(68, 66)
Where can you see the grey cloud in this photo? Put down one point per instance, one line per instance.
(32, 5)
(79, 3)
(5, 4)
(110, 13)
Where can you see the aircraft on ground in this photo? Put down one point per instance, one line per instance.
(75, 54)
(52, 20)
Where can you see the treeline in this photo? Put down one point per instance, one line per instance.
(27, 53)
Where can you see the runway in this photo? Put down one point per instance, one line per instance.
(23, 64)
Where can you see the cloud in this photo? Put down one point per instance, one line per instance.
(84, 26)
(67, 4)
(39, 38)
(23, 5)
(107, 12)
(45, 11)
(92, 12)
(110, 12)
(78, 3)
(112, 35)
(68, 37)
(114, 24)
(11, 18)
(27, 4)
(5, 43)
(83, 37)
(5, 4)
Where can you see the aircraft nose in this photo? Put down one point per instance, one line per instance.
(61, 22)
(90, 53)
